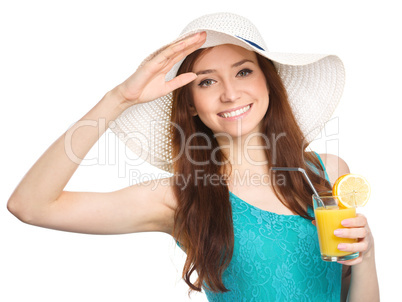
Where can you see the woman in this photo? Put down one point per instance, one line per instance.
(231, 118)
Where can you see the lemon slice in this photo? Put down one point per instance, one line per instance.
(352, 190)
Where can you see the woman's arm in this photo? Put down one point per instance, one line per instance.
(363, 279)
(39, 198)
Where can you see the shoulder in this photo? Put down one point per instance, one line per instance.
(335, 166)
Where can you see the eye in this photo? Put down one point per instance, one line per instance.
(244, 72)
(206, 83)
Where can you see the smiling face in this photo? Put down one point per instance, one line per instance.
(230, 90)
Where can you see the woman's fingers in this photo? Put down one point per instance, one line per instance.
(358, 221)
(351, 232)
(360, 247)
(355, 228)
(180, 81)
(148, 82)
(175, 52)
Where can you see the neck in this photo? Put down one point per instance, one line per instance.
(247, 152)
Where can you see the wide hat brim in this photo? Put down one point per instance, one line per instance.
(314, 83)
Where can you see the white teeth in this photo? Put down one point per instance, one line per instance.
(236, 112)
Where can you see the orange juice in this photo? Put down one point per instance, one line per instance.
(328, 220)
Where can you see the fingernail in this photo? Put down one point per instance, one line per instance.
(345, 222)
(341, 246)
(337, 232)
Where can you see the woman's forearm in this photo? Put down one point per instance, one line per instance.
(45, 181)
(364, 282)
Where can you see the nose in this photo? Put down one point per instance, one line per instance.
(230, 91)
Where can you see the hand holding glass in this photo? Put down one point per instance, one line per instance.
(328, 216)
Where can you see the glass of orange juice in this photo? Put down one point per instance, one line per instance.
(328, 217)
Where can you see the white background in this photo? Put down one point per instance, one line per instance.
(58, 58)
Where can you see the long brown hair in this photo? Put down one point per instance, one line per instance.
(203, 219)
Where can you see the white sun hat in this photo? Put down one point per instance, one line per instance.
(314, 83)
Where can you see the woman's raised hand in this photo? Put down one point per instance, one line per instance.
(43, 191)
(148, 82)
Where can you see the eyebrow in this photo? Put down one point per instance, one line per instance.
(207, 71)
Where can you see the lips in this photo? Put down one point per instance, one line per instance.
(235, 112)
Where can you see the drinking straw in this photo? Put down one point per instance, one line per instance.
(305, 176)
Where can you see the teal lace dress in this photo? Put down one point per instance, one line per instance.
(276, 258)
